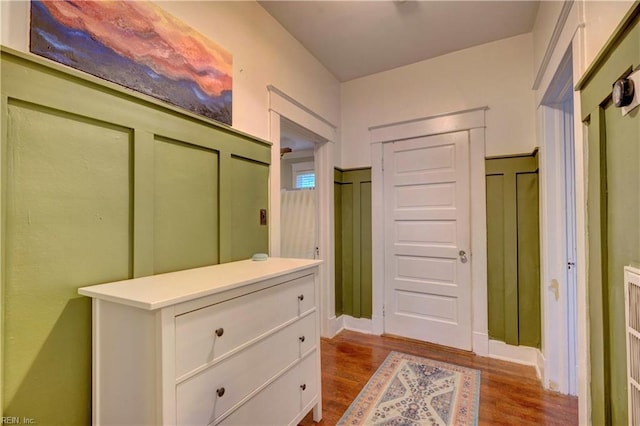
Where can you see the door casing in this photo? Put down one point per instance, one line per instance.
(472, 120)
(282, 105)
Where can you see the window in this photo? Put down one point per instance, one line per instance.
(304, 175)
(306, 180)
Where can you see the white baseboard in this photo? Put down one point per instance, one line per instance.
(480, 343)
(361, 325)
(540, 367)
(378, 325)
(336, 325)
(517, 354)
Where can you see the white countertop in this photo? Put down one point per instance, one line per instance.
(158, 291)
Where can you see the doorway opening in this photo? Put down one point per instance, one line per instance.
(299, 228)
(285, 112)
(558, 212)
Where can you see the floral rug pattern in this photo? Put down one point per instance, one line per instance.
(408, 390)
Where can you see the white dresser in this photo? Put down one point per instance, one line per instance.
(230, 344)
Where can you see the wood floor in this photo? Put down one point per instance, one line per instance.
(510, 394)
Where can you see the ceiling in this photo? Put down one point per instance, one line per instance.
(296, 137)
(357, 38)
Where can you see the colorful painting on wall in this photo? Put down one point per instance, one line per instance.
(137, 45)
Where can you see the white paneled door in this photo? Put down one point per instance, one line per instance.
(427, 241)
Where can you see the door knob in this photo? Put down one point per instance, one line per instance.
(463, 256)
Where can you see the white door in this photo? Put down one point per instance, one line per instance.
(427, 225)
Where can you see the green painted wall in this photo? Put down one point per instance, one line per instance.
(97, 185)
(249, 194)
(185, 206)
(337, 205)
(352, 192)
(613, 202)
(513, 250)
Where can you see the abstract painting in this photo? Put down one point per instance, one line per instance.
(140, 46)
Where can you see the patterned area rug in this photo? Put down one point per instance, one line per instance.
(409, 390)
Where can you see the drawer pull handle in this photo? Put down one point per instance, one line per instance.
(301, 338)
(220, 392)
(219, 333)
(301, 297)
(303, 387)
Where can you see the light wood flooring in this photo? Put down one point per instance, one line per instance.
(510, 394)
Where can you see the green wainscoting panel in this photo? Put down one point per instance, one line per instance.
(366, 267)
(186, 206)
(68, 178)
(353, 243)
(496, 259)
(529, 324)
(338, 254)
(249, 182)
(513, 256)
(597, 269)
(613, 202)
(348, 257)
(101, 184)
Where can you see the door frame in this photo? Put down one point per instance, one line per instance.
(558, 301)
(568, 35)
(283, 105)
(472, 120)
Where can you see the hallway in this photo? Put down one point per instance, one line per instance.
(510, 394)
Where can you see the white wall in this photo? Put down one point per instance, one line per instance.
(601, 18)
(548, 12)
(497, 75)
(263, 54)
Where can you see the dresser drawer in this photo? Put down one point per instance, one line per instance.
(283, 393)
(307, 371)
(204, 335)
(307, 333)
(198, 399)
(293, 391)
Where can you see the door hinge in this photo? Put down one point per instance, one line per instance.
(383, 311)
(382, 161)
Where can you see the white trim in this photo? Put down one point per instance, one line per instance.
(558, 30)
(274, 185)
(336, 325)
(478, 189)
(427, 126)
(480, 343)
(572, 35)
(472, 120)
(284, 106)
(569, 35)
(553, 261)
(361, 325)
(295, 111)
(377, 239)
(580, 149)
(518, 354)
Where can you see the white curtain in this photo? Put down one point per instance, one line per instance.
(298, 223)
